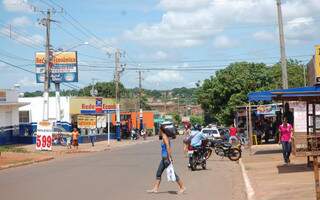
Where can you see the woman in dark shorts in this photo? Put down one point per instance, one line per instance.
(166, 131)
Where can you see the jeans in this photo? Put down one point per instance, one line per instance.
(92, 139)
(164, 163)
(286, 150)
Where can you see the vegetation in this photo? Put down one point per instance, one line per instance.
(197, 120)
(11, 148)
(229, 88)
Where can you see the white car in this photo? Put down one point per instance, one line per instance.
(211, 132)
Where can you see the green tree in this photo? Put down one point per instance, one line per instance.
(229, 88)
(105, 89)
(196, 120)
(176, 118)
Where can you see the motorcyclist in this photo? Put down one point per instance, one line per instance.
(198, 137)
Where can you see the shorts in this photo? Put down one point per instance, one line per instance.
(75, 143)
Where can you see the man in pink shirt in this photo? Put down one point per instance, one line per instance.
(285, 136)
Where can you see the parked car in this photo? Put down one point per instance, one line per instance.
(212, 132)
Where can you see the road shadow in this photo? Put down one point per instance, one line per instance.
(293, 168)
(263, 152)
(168, 192)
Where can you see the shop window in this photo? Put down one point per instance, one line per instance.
(24, 117)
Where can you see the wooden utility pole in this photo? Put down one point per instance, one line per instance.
(117, 80)
(140, 89)
(117, 74)
(282, 48)
(46, 22)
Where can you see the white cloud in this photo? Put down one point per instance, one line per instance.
(224, 42)
(17, 5)
(189, 23)
(21, 21)
(264, 36)
(160, 55)
(165, 76)
(301, 30)
(183, 4)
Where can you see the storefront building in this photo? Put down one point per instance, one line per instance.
(9, 116)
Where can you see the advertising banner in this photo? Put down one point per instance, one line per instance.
(64, 67)
(101, 121)
(88, 105)
(3, 95)
(87, 121)
(317, 64)
(44, 136)
(266, 109)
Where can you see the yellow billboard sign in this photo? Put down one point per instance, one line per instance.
(64, 67)
(88, 105)
(317, 64)
(87, 121)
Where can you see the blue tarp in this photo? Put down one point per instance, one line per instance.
(267, 95)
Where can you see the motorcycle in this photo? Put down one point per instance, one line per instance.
(197, 156)
(134, 135)
(225, 149)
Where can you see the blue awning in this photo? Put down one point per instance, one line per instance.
(291, 92)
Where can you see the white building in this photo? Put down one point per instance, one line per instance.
(9, 115)
(34, 110)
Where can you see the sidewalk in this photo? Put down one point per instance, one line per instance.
(271, 179)
(88, 148)
(31, 155)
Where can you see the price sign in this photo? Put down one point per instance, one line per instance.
(44, 136)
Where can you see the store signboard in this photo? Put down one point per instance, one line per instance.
(44, 136)
(64, 67)
(317, 64)
(88, 105)
(267, 109)
(98, 105)
(3, 95)
(87, 121)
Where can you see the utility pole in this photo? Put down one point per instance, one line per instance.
(282, 48)
(140, 100)
(46, 22)
(304, 76)
(140, 89)
(117, 80)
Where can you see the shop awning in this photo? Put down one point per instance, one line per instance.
(291, 93)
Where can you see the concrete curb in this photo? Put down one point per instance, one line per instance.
(249, 189)
(25, 163)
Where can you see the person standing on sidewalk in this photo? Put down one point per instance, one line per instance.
(167, 130)
(92, 135)
(75, 135)
(233, 134)
(285, 137)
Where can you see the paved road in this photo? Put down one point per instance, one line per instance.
(124, 173)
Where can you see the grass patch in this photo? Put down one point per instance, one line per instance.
(11, 148)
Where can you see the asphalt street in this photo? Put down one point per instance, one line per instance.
(119, 174)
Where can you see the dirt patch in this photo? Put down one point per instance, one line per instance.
(13, 158)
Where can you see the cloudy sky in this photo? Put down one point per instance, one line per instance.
(172, 35)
